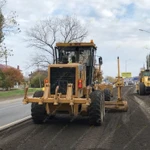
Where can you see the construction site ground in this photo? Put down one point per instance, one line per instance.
(120, 130)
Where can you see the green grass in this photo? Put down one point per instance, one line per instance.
(16, 92)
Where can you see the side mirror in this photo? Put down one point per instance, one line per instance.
(100, 61)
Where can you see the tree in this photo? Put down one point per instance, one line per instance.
(37, 78)
(111, 79)
(43, 36)
(1, 77)
(72, 30)
(8, 22)
(2, 3)
(45, 33)
(1, 26)
(11, 76)
(8, 25)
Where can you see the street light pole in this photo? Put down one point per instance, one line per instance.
(148, 59)
(148, 65)
(126, 64)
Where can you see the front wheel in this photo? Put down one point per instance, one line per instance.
(38, 112)
(96, 108)
(141, 88)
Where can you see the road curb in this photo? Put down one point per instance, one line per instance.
(4, 127)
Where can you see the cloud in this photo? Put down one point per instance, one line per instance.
(107, 13)
(113, 25)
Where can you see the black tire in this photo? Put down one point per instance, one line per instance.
(107, 94)
(38, 112)
(141, 88)
(96, 108)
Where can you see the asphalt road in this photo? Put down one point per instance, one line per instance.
(13, 110)
(120, 131)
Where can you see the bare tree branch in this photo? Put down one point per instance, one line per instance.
(44, 35)
(72, 30)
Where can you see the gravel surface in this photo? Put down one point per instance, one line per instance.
(121, 130)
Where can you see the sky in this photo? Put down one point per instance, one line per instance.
(113, 26)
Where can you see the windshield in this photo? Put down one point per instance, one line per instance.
(146, 73)
(75, 54)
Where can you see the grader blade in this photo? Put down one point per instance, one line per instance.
(116, 105)
(119, 104)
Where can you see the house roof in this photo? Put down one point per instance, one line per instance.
(4, 66)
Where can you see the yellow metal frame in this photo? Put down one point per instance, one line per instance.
(119, 104)
(58, 98)
(75, 44)
(58, 101)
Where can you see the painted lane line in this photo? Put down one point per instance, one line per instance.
(14, 123)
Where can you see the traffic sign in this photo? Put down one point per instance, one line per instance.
(126, 74)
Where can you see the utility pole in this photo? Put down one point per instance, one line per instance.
(126, 64)
(5, 53)
(39, 76)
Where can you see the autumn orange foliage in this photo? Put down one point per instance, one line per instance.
(11, 77)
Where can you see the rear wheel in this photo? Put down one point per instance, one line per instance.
(141, 88)
(96, 108)
(107, 94)
(38, 112)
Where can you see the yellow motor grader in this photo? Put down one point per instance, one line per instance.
(70, 86)
(143, 85)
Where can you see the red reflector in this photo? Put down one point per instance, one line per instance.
(80, 84)
(46, 81)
